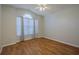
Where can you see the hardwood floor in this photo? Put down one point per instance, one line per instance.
(40, 46)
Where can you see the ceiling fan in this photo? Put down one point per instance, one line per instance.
(42, 7)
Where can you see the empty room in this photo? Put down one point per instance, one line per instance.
(39, 29)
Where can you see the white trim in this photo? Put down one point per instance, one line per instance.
(6, 45)
(17, 42)
(9, 44)
(64, 42)
(14, 42)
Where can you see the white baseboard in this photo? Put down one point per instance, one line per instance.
(9, 44)
(44, 37)
(15, 42)
(63, 42)
(6, 45)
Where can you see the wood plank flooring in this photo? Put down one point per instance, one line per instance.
(40, 46)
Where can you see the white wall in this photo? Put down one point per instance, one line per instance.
(9, 23)
(40, 27)
(63, 26)
(0, 27)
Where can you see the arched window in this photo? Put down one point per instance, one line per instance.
(26, 25)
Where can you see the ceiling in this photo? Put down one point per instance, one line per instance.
(52, 8)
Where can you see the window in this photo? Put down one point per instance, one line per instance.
(28, 25)
(18, 26)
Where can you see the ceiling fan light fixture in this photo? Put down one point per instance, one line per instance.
(42, 7)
